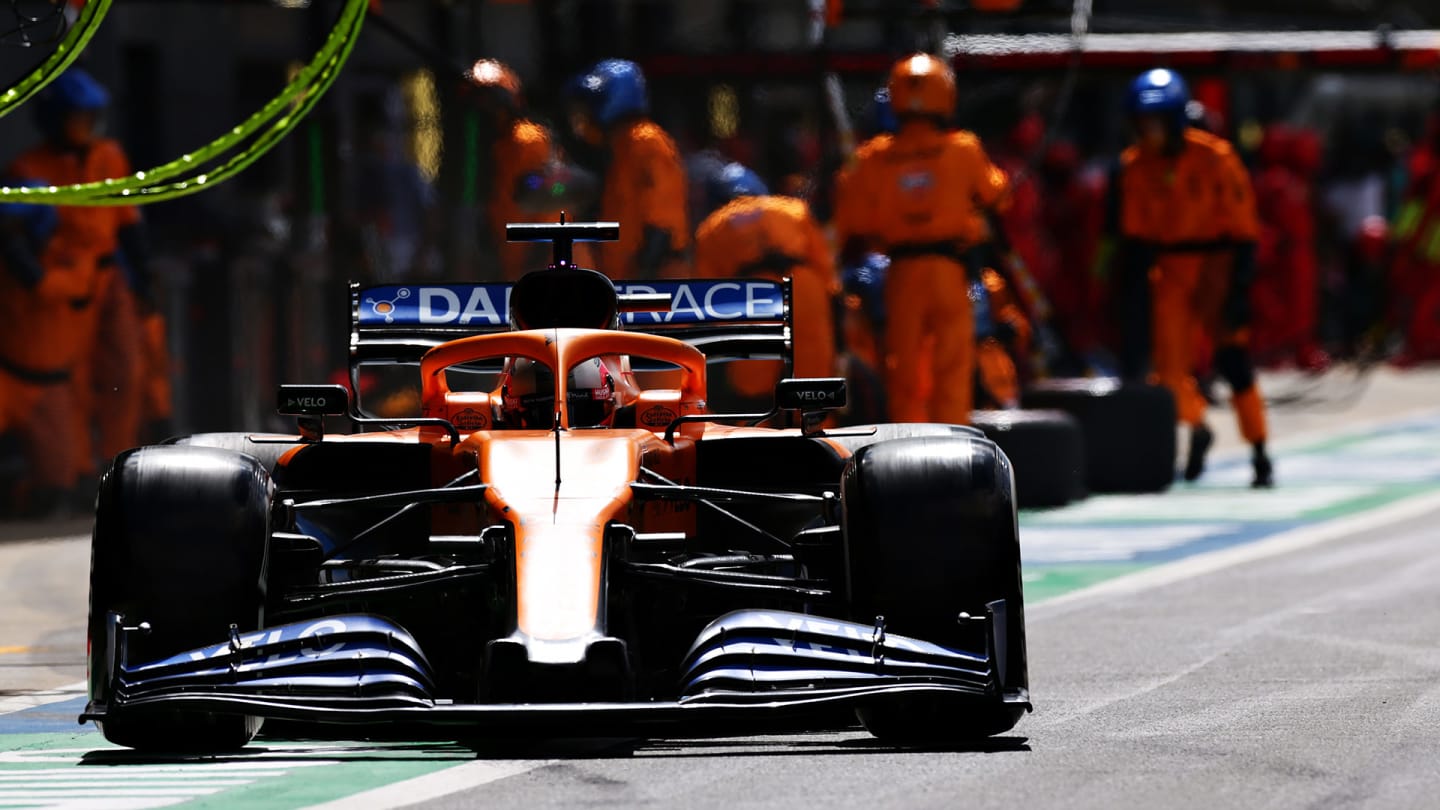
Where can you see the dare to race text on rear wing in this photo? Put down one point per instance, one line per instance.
(724, 318)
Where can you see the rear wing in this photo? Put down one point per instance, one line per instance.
(743, 318)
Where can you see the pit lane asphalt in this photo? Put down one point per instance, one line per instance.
(44, 584)
(1310, 679)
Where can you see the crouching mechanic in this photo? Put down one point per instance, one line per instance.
(1188, 223)
(920, 196)
(752, 233)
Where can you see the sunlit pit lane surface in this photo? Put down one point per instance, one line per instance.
(47, 760)
(80, 771)
(1342, 476)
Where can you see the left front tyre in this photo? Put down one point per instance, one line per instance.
(179, 542)
(930, 533)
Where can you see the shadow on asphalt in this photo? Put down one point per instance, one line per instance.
(701, 747)
(567, 749)
(812, 742)
(770, 747)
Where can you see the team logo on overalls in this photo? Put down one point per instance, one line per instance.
(386, 309)
(746, 218)
(916, 182)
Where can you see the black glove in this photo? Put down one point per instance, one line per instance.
(1236, 312)
(853, 252)
(654, 251)
(977, 258)
(134, 261)
(1005, 333)
(19, 257)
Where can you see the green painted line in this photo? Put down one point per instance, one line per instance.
(1385, 497)
(1047, 581)
(378, 768)
(309, 772)
(1360, 499)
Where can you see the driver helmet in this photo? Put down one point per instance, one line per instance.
(527, 394)
(591, 394)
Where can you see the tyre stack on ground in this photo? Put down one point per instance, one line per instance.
(1129, 430)
(1075, 437)
(1046, 449)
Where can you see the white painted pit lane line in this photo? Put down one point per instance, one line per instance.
(132, 786)
(1282, 543)
(435, 785)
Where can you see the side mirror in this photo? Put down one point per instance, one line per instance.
(310, 404)
(810, 394)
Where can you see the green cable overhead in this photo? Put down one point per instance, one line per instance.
(204, 168)
(70, 47)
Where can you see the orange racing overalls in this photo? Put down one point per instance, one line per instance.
(919, 196)
(773, 237)
(1189, 210)
(521, 152)
(105, 339)
(644, 188)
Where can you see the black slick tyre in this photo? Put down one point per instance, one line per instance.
(179, 542)
(268, 448)
(1046, 449)
(930, 533)
(1129, 430)
(857, 436)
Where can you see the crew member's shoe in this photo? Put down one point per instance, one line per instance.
(1264, 468)
(1200, 440)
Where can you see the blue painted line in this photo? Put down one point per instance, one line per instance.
(1245, 533)
(1241, 534)
(52, 718)
(1317, 482)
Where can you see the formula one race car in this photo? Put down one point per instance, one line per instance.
(563, 541)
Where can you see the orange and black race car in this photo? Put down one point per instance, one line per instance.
(563, 539)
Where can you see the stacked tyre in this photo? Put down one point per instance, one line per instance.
(1129, 430)
(1047, 450)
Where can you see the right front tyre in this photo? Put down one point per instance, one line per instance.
(179, 542)
(930, 533)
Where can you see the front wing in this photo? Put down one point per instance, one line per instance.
(366, 670)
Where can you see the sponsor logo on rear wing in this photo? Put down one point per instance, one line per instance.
(487, 306)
